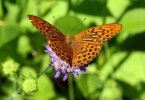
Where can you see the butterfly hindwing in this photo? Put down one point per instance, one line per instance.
(89, 42)
(85, 53)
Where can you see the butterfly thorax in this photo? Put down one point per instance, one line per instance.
(69, 39)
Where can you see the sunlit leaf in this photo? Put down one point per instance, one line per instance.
(8, 32)
(89, 84)
(133, 23)
(132, 70)
(27, 71)
(111, 91)
(24, 46)
(117, 7)
(45, 89)
(58, 10)
(113, 62)
(45, 6)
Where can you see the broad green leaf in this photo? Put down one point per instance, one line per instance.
(91, 7)
(9, 50)
(76, 2)
(45, 6)
(13, 11)
(94, 84)
(31, 8)
(59, 9)
(113, 62)
(142, 96)
(1, 9)
(8, 32)
(82, 84)
(24, 46)
(26, 25)
(89, 84)
(27, 71)
(111, 91)
(133, 23)
(132, 70)
(45, 61)
(61, 98)
(45, 89)
(92, 68)
(117, 7)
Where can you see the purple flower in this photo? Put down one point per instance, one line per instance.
(62, 67)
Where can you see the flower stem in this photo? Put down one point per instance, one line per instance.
(70, 85)
(44, 71)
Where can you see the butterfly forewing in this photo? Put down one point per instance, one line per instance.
(89, 42)
(48, 30)
(56, 40)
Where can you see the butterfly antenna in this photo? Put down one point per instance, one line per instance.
(77, 25)
(58, 23)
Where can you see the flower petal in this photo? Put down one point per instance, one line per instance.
(65, 77)
(57, 74)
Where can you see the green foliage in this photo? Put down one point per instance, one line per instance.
(117, 74)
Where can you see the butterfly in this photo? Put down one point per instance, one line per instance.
(80, 49)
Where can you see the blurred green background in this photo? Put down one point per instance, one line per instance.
(117, 73)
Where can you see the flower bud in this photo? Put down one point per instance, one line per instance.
(29, 85)
(10, 66)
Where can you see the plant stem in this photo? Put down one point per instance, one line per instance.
(1, 9)
(70, 85)
(44, 71)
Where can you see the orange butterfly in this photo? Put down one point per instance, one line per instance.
(80, 49)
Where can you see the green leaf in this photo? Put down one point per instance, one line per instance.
(45, 6)
(13, 11)
(132, 70)
(133, 23)
(27, 71)
(31, 8)
(1, 9)
(59, 9)
(45, 89)
(25, 25)
(112, 63)
(117, 7)
(82, 83)
(111, 91)
(61, 98)
(24, 46)
(8, 32)
(142, 96)
(89, 84)
(45, 62)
